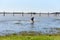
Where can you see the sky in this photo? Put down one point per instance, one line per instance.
(30, 5)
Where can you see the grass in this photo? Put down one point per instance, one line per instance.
(30, 36)
(27, 37)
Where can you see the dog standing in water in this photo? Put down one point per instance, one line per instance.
(32, 19)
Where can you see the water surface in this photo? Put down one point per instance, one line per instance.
(15, 24)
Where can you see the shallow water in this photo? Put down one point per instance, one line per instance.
(15, 24)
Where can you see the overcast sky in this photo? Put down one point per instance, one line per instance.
(30, 5)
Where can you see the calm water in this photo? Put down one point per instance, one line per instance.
(15, 24)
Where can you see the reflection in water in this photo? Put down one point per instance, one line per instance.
(32, 25)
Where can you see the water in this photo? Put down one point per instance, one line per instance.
(16, 24)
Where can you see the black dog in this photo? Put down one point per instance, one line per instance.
(32, 19)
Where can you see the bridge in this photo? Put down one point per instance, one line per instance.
(30, 13)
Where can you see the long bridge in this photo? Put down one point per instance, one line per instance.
(30, 13)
